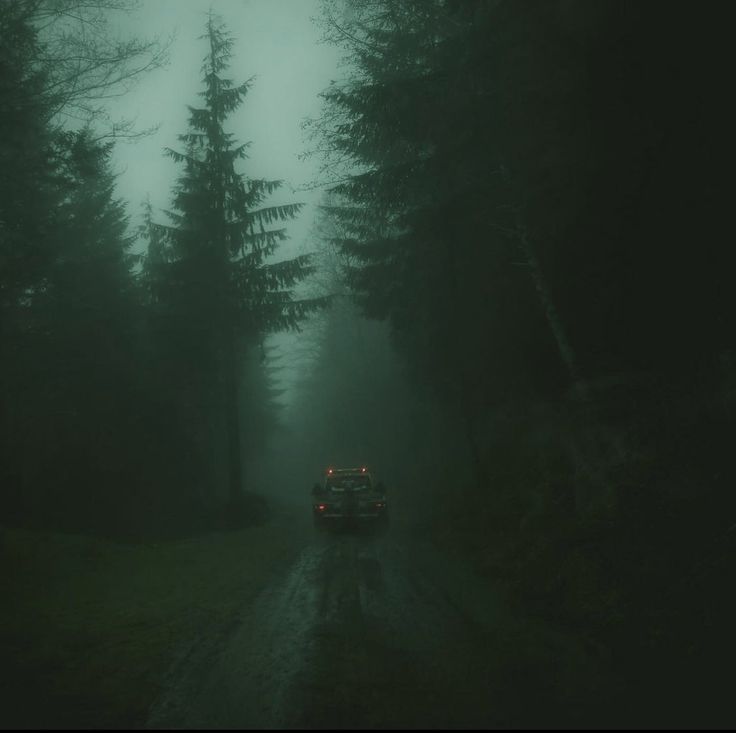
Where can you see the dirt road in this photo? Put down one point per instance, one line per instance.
(364, 631)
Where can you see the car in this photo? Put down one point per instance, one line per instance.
(349, 496)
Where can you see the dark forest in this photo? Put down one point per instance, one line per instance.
(516, 307)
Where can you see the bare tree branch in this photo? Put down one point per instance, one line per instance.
(85, 62)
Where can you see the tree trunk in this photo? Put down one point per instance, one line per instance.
(235, 468)
(550, 312)
(463, 383)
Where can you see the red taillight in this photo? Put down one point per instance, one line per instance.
(329, 470)
(362, 470)
(321, 507)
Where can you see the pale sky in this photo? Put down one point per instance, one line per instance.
(278, 44)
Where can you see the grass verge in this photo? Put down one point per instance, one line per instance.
(88, 627)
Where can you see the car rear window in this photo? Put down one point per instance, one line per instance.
(350, 481)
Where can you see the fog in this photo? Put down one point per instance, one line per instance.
(278, 45)
(470, 258)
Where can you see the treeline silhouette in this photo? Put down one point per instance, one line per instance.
(132, 384)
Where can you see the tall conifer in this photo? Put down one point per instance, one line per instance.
(222, 283)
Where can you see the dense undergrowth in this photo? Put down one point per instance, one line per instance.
(613, 520)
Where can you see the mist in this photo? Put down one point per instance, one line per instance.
(365, 364)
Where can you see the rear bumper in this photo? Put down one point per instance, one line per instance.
(358, 516)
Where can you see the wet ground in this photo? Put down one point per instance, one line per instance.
(363, 630)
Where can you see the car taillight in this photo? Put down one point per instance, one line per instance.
(321, 507)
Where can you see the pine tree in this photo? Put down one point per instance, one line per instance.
(27, 242)
(222, 287)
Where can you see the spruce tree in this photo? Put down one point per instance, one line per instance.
(217, 280)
